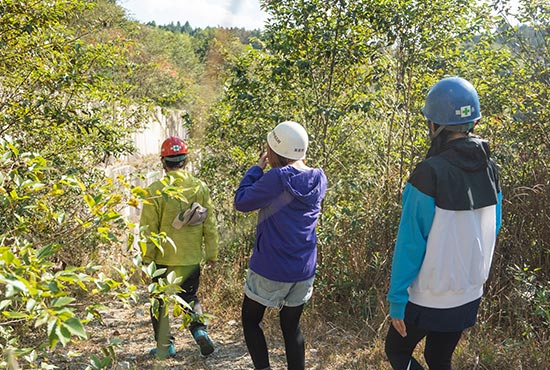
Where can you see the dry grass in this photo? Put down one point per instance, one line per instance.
(335, 340)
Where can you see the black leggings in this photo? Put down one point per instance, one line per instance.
(438, 350)
(289, 317)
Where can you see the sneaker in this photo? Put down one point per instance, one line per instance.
(204, 342)
(171, 351)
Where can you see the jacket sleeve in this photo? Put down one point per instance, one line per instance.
(499, 212)
(256, 190)
(150, 217)
(209, 227)
(410, 247)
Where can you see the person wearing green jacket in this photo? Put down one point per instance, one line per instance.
(188, 220)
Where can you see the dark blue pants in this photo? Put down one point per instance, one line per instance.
(190, 286)
(438, 350)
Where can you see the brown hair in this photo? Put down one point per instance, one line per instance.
(170, 166)
(275, 160)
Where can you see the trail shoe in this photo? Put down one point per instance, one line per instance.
(204, 342)
(171, 351)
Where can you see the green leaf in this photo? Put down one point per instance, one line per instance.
(14, 314)
(5, 303)
(41, 319)
(183, 303)
(159, 272)
(63, 301)
(31, 357)
(63, 334)
(151, 268)
(171, 277)
(89, 200)
(139, 192)
(60, 218)
(47, 251)
(75, 327)
(53, 286)
(155, 307)
(13, 148)
(31, 303)
(14, 286)
(98, 363)
(115, 341)
(51, 330)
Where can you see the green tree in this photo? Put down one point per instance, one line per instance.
(166, 67)
(62, 114)
(57, 91)
(516, 85)
(355, 74)
(76, 79)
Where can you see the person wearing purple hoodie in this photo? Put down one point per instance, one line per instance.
(282, 266)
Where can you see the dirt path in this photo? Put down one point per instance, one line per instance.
(132, 327)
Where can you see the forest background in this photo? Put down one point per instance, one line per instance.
(78, 77)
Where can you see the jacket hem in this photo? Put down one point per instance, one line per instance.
(428, 299)
(286, 278)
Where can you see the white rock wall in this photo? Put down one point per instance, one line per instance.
(161, 125)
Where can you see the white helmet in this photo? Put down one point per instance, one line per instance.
(289, 140)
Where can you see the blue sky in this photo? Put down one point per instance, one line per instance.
(200, 13)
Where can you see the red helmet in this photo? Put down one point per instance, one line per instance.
(173, 146)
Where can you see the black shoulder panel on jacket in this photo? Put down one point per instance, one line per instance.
(456, 187)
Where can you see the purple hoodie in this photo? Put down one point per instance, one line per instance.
(289, 201)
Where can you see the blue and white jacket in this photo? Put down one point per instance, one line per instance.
(450, 219)
(289, 201)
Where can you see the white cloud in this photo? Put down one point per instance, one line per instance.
(199, 13)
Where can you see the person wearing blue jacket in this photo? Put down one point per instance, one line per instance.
(282, 266)
(451, 216)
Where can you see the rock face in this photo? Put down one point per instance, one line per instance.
(163, 123)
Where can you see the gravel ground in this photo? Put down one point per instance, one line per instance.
(132, 327)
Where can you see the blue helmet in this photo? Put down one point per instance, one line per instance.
(452, 101)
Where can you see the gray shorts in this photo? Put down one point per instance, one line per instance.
(276, 293)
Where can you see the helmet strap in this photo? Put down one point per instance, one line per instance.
(465, 128)
(434, 134)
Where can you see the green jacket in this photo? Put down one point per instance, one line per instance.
(159, 214)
